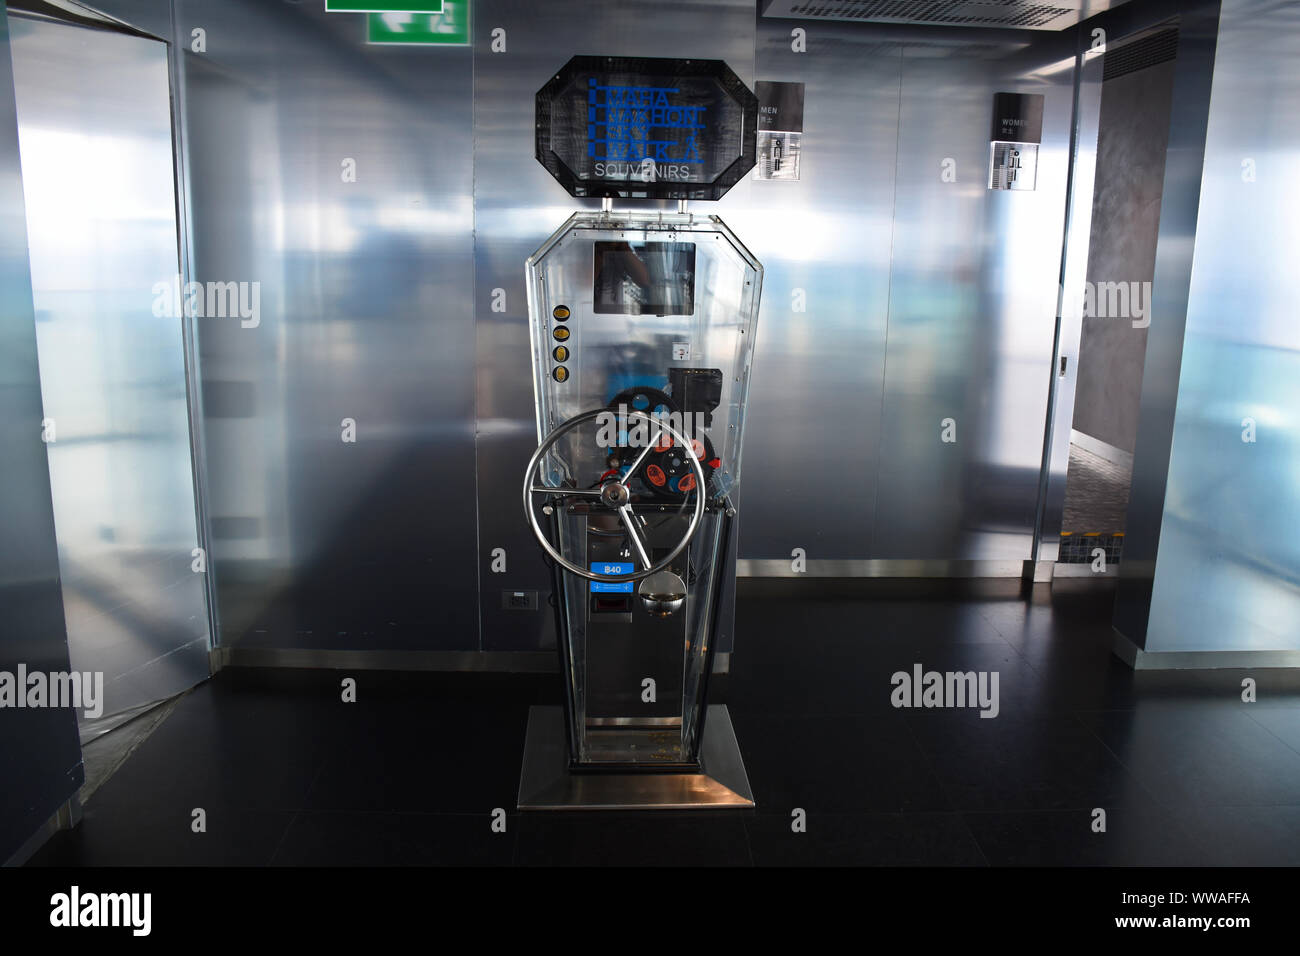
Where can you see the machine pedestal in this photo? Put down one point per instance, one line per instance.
(545, 783)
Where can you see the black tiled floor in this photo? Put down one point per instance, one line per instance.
(424, 768)
(1023, 762)
(1192, 754)
(158, 833)
(1243, 836)
(837, 764)
(1133, 837)
(1186, 771)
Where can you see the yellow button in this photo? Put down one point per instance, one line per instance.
(561, 353)
(561, 334)
(561, 373)
(561, 312)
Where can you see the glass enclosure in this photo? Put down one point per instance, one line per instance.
(642, 326)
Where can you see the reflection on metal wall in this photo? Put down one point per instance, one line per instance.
(813, 437)
(40, 760)
(366, 316)
(517, 206)
(972, 306)
(1227, 573)
(95, 134)
(926, 300)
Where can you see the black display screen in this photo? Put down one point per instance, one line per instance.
(646, 127)
(644, 278)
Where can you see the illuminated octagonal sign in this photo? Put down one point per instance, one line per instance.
(646, 128)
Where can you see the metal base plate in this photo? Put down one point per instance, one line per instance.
(545, 782)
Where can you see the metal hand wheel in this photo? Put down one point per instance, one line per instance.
(614, 494)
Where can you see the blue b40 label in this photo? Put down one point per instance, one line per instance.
(612, 587)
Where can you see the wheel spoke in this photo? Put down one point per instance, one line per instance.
(634, 533)
(654, 440)
(566, 492)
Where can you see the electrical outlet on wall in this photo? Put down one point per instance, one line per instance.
(519, 600)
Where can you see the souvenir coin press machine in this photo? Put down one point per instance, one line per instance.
(642, 327)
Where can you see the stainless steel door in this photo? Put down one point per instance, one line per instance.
(95, 141)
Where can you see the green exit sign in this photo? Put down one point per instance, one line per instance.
(383, 6)
(448, 28)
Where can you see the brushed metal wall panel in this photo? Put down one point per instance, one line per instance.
(366, 315)
(95, 133)
(40, 757)
(1227, 573)
(1194, 70)
(972, 307)
(813, 425)
(517, 206)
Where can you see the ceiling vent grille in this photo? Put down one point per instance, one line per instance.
(961, 13)
(1141, 53)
